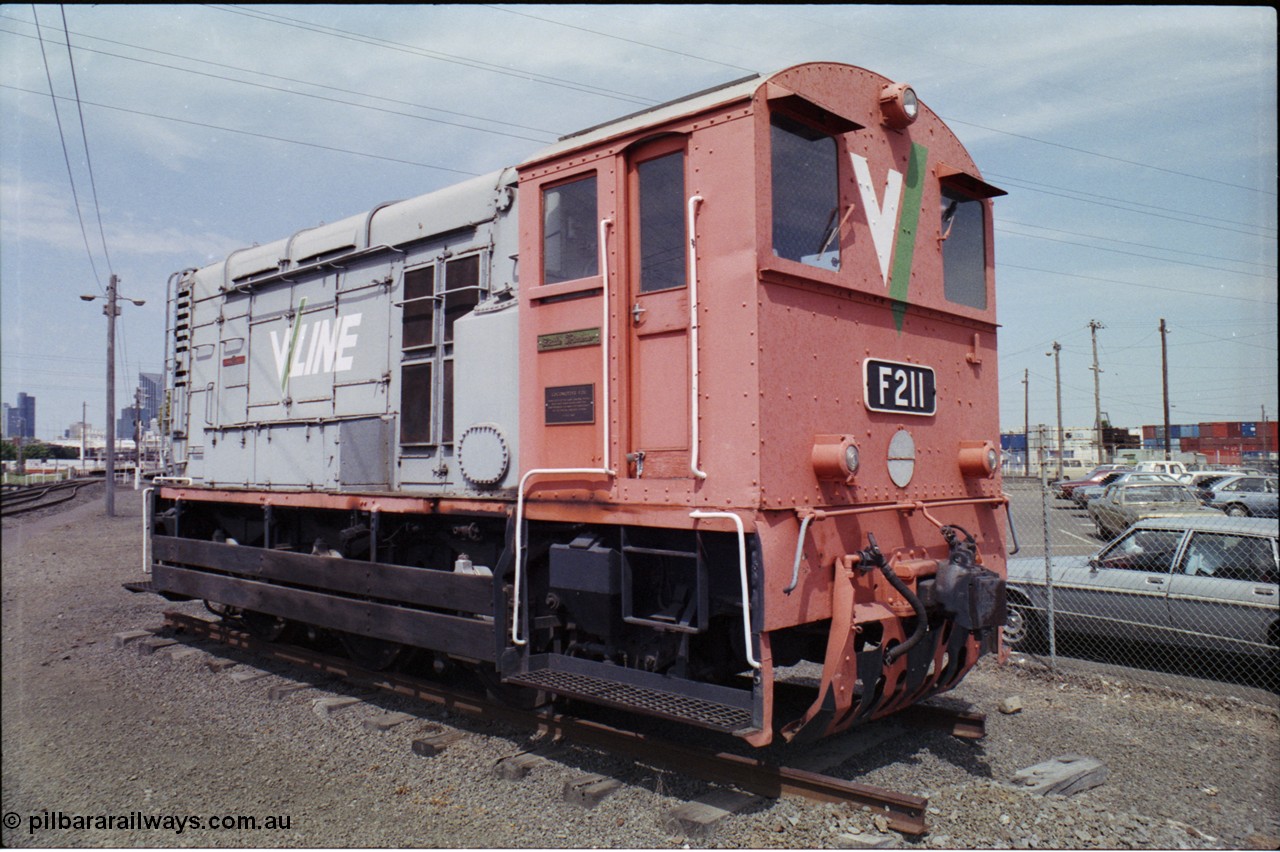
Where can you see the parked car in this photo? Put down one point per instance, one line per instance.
(1194, 582)
(1177, 470)
(1063, 487)
(1124, 504)
(1202, 482)
(1083, 496)
(1243, 496)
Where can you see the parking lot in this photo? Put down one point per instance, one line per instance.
(1118, 629)
(1071, 532)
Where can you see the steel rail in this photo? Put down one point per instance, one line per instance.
(42, 496)
(904, 813)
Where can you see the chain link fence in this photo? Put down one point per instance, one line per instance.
(1146, 580)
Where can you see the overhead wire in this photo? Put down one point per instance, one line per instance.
(66, 156)
(84, 136)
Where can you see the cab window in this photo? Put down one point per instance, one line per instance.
(569, 240)
(805, 194)
(964, 250)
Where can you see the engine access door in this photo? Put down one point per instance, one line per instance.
(658, 312)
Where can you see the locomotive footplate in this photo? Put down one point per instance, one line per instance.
(704, 705)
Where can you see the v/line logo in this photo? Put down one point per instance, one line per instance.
(319, 346)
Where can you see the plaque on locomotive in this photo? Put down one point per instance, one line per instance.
(570, 404)
(897, 388)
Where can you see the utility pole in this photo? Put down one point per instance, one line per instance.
(1094, 325)
(112, 310)
(1026, 419)
(1265, 457)
(1057, 376)
(83, 439)
(1164, 373)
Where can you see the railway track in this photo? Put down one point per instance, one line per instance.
(18, 501)
(901, 812)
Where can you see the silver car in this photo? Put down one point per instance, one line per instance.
(1084, 496)
(1243, 496)
(1192, 582)
(1123, 504)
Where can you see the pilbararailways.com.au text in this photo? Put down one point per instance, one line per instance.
(139, 821)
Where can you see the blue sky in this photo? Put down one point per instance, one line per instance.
(1137, 144)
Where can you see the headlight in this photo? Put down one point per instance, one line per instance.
(899, 105)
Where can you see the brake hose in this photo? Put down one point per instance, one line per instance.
(873, 556)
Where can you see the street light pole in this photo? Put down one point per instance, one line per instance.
(112, 310)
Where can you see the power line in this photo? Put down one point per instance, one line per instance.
(1132, 209)
(360, 38)
(258, 135)
(84, 136)
(1136, 254)
(550, 133)
(65, 155)
(1108, 156)
(622, 39)
(1132, 243)
(1134, 284)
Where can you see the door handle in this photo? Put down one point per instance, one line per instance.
(636, 312)
(1262, 590)
(1155, 581)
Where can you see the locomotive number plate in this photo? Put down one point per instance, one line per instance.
(897, 388)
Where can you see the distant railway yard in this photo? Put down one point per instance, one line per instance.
(120, 730)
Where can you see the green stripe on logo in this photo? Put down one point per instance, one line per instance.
(908, 220)
(293, 342)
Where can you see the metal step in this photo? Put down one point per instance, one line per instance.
(700, 712)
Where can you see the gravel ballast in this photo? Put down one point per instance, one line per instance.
(106, 746)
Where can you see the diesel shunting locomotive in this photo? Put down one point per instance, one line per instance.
(675, 407)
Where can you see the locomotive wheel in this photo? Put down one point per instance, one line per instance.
(370, 653)
(264, 626)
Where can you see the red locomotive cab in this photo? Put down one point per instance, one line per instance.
(772, 305)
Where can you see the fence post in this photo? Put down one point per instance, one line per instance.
(1048, 559)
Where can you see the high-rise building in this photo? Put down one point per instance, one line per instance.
(145, 407)
(20, 420)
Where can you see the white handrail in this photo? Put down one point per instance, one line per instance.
(603, 470)
(694, 201)
(605, 329)
(147, 524)
(742, 573)
(519, 542)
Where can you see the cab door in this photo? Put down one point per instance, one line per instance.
(657, 312)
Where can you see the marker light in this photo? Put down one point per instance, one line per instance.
(834, 457)
(978, 459)
(899, 104)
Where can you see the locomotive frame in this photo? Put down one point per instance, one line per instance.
(675, 405)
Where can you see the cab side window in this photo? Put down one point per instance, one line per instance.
(570, 247)
(964, 250)
(806, 198)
